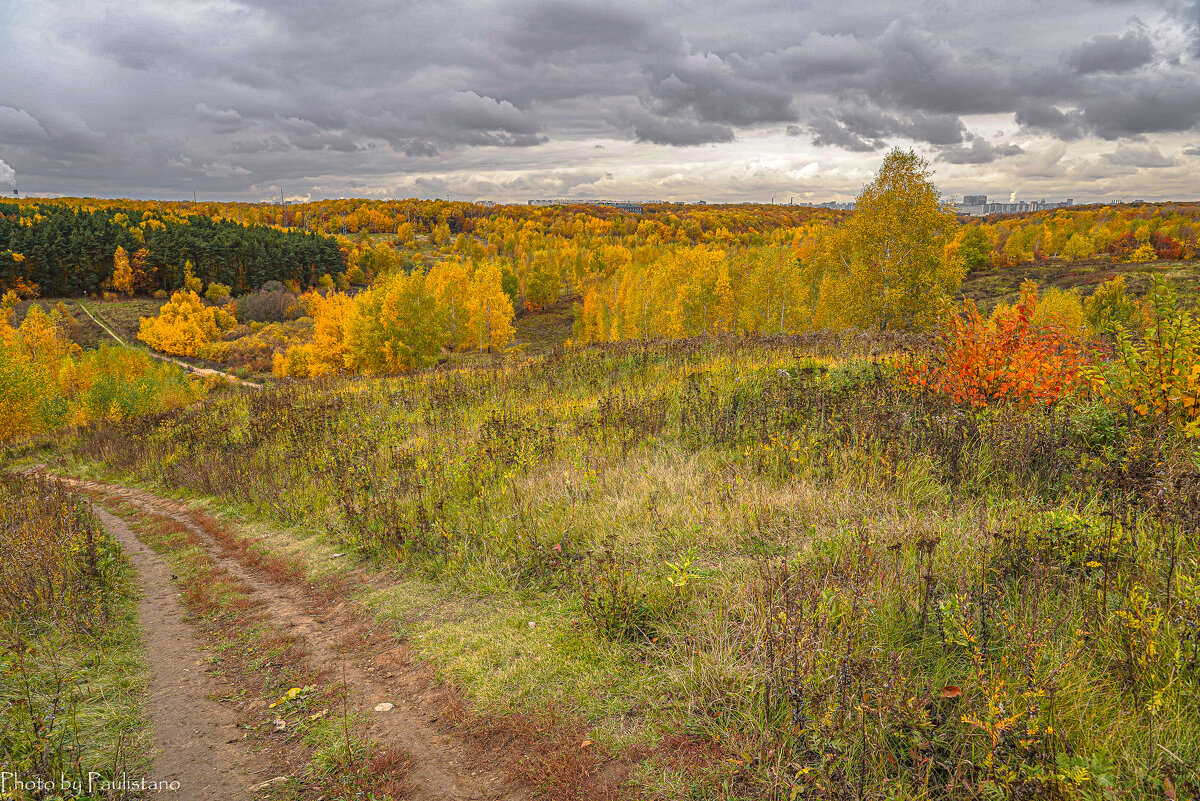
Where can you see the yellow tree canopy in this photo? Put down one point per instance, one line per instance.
(489, 308)
(184, 325)
(892, 260)
(396, 326)
(122, 279)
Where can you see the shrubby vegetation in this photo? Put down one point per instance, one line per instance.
(47, 382)
(847, 584)
(70, 677)
(761, 552)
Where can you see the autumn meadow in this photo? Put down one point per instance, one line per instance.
(572, 502)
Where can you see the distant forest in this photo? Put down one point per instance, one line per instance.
(69, 251)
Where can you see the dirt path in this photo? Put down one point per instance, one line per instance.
(195, 737)
(443, 767)
(191, 368)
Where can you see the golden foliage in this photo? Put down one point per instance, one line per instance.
(122, 279)
(47, 382)
(403, 322)
(184, 325)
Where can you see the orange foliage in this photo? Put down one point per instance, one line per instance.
(981, 361)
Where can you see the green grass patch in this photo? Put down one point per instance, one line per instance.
(752, 567)
(72, 667)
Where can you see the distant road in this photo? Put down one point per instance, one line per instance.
(191, 368)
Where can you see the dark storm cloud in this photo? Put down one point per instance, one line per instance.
(1107, 53)
(718, 91)
(862, 126)
(1045, 117)
(829, 132)
(661, 130)
(1161, 102)
(232, 95)
(920, 70)
(542, 29)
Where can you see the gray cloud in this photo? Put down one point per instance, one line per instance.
(718, 91)
(1136, 156)
(1106, 53)
(861, 126)
(920, 70)
(1045, 117)
(662, 130)
(1129, 106)
(827, 131)
(231, 95)
(978, 151)
(18, 127)
(1188, 12)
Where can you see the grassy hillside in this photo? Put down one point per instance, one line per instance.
(993, 285)
(750, 568)
(72, 671)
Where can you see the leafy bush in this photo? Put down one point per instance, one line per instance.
(1109, 305)
(118, 383)
(1159, 376)
(218, 293)
(1008, 357)
(184, 325)
(268, 305)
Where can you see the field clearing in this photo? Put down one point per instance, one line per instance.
(123, 316)
(717, 555)
(990, 286)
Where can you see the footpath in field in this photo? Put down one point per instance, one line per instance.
(196, 736)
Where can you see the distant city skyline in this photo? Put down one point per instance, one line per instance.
(231, 99)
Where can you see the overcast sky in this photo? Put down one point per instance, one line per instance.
(656, 99)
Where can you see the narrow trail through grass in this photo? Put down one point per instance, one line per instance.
(191, 368)
(337, 643)
(195, 737)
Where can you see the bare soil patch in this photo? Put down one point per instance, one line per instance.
(339, 643)
(196, 739)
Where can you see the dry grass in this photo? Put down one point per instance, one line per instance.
(752, 567)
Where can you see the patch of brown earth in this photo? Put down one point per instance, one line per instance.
(196, 739)
(338, 640)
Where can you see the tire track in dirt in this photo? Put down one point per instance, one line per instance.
(195, 737)
(443, 768)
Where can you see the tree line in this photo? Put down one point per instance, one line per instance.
(56, 249)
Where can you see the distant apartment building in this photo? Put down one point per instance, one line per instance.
(977, 205)
(620, 205)
(829, 204)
